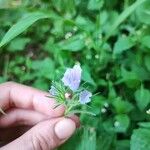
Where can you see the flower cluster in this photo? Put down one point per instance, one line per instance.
(69, 93)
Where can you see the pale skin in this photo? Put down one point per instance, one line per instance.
(31, 122)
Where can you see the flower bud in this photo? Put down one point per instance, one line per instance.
(68, 95)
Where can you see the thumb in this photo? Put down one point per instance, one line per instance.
(46, 135)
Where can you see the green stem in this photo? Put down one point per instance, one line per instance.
(81, 111)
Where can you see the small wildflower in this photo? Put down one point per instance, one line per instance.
(97, 56)
(116, 124)
(106, 105)
(69, 93)
(75, 28)
(103, 110)
(148, 111)
(72, 77)
(85, 97)
(68, 35)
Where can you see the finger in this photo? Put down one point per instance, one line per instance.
(46, 135)
(21, 96)
(15, 117)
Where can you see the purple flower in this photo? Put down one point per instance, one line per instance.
(53, 91)
(72, 77)
(85, 97)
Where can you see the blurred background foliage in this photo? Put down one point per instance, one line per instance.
(111, 40)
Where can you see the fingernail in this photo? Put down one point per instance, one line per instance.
(65, 128)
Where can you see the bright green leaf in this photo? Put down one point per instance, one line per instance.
(121, 123)
(21, 26)
(143, 12)
(75, 43)
(146, 41)
(122, 44)
(142, 97)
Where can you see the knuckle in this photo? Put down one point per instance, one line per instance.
(41, 142)
(9, 83)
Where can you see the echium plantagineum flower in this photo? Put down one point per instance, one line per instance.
(69, 93)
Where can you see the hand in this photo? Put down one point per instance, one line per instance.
(30, 122)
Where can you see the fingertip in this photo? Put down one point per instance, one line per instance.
(64, 128)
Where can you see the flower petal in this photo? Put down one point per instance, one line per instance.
(85, 97)
(72, 77)
(53, 91)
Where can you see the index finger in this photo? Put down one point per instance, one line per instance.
(21, 96)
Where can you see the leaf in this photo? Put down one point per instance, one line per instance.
(88, 140)
(147, 62)
(95, 4)
(142, 97)
(75, 43)
(128, 11)
(21, 26)
(122, 44)
(140, 139)
(43, 68)
(122, 106)
(86, 76)
(144, 124)
(18, 44)
(146, 41)
(143, 12)
(122, 123)
(105, 141)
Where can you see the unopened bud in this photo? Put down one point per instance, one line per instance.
(68, 95)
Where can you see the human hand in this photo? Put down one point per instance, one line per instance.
(31, 123)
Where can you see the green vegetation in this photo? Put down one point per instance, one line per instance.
(111, 40)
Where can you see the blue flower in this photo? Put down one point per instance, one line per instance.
(72, 77)
(53, 91)
(85, 97)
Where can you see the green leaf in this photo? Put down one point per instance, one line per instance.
(147, 62)
(86, 76)
(128, 11)
(140, 139)
(122, 44)
(143, 12)
(95, 4)
(21, 26)
(18, 44)
(122, 106)
(142, 97)
(122, 123)
(146, 40)
(43, 68)
(75, 43)
(144, 124)
(88, 141)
